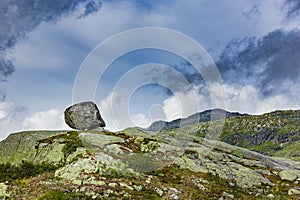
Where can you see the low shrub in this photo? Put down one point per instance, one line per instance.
(26, 169)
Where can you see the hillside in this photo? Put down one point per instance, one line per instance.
(135, 164)
(196, 118)
(273, 134)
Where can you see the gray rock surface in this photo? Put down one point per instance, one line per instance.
(96, 162)
(289, 175)
(32, 146)
(293, 191)
(140, 164)
(84, 116)
(3, 191)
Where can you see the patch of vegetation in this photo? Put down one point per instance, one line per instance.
(289, 150)
(9, 172)
(212, 187)
(202, 129)
(71, 144)
(120, 134)
(59, 195)
(117, 174)
(266, 148)
(273, 134)
(143, 162)
(170, 132)
(237, 153)
(139, 144)
(70, 139)
(191, 154)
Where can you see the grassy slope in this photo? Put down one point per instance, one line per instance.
(192, 185)
(273, 134)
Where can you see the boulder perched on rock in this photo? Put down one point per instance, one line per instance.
(84, 116)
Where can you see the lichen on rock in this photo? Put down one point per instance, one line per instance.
(3, 190)
(140, 164)
(289, 175)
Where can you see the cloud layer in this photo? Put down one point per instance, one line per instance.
(293, 7)
(17, 18)
(254, 43)
(15, 118)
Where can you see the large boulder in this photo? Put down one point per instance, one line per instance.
(84, 116)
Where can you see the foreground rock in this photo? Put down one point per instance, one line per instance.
(3, 192)
(84, 116)
(134, 164)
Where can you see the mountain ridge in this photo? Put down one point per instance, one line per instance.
(275, 134)
(198, 117)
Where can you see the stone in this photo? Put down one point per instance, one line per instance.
(84, 116)
(126, 186)
(227, 195)
(34, 147)
(98, 140)
(138, 187)
(3, 190)
(103, 161)
(112, 184)
(289, 175)
(90, 164)
(294, 191)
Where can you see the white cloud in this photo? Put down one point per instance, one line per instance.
(117, 116)
(63, 46)
(53, 45)
(12, 120)
(111, 109)
(15, 118)
(140, 120)
(184, 104)
(50, 119)
(5, 108)
(3, 114)
(240, 98)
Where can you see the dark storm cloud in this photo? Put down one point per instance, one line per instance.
(18, 17)
(293, 7)
(193, 78)
(264, 63)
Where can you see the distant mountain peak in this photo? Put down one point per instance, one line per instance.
(204, 116)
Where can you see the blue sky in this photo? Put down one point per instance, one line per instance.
(255, 45)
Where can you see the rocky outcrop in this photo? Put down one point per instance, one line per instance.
(137, 164)
(290, 175)
(134, 154)
(171, 164)
(33, 146)
(84, 116)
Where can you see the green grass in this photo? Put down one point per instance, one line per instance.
(71, 141)
(9, 172)
(273, 134)
(117, 174)
(59, 195)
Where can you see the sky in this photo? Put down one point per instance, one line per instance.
(45, 46)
